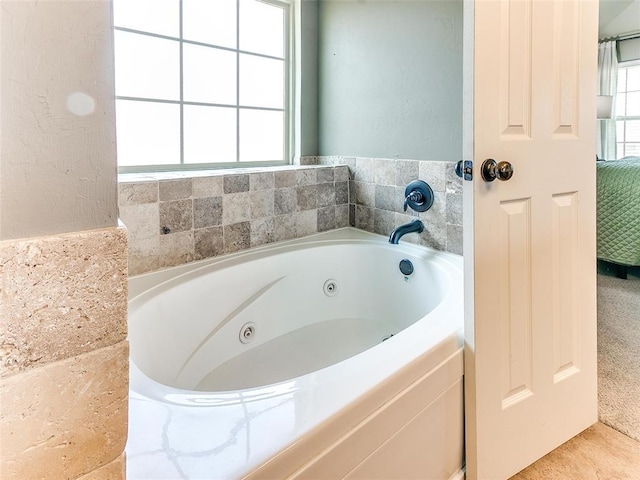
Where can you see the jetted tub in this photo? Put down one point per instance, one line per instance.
(314, 358)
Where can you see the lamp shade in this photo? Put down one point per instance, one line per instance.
(604, 104)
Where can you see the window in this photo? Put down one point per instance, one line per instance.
(201, 83)
(627, 110)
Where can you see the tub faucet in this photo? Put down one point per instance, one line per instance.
(415, 226)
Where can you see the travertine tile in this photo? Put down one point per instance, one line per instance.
(285, 227)
(325, 175)
(341, 192)
(285, 200)
(141, 221)
(236, 183)
(434, 174)
(137, 193)
(207, 186)
(170, 190)
(454, 239)
(365, 194)
(263, 231)
(383, 221)
(453, 181)
(176, 216)
(386, 198)
(406, 172)
(341, 174)
(285, 178)
(364, 218)
(208, 242)
(599, 452)
(326, 218)
(364, 171)
(66, 418)
(236, 207)
(326, 194)
(307, 197)
(306, 223)
(207, 212)
(454, 208)
(306, 176)
(262, 203)
(261, 181)
(115, 470)
(176, 249)
(62, 296)
(384, 171)
(237, 237)
(342, 215)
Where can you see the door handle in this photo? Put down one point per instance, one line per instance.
(491, 170)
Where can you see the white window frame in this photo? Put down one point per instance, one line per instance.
(624, 118)
(287, 6)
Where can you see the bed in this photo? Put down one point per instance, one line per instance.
(618, 212)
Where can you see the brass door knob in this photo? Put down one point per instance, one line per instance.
(491, 170)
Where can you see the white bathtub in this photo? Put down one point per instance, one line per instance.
(315, 392)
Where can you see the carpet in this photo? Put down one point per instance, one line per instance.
(619, 353)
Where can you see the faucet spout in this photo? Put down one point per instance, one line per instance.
(415, 226)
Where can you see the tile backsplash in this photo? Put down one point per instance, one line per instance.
(377, 188)
(177, 218)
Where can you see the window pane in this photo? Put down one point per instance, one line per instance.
(620, 110)
(146, 66)
(620, 130)
(620, 150)
(633, 104)
(209, 75)
(261, 28)
(210, 21)
(633, 78)
(632, 131)
(155, 16)
(209, 134)
(261, 135)
(148, 133)
(261, 82)
(632, 149)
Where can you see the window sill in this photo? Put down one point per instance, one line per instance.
(184, 174)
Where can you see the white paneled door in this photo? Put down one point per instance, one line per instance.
(529, 240)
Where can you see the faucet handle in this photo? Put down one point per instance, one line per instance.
(415, 197)
(419, 196)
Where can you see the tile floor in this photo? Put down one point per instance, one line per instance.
(598, 453)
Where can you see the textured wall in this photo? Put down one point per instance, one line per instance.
(391, 79)
(57, 136)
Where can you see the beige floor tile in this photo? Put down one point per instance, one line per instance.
(598, 453)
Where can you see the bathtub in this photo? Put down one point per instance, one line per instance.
(313, 358)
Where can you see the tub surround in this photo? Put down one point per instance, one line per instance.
(179, 217)
(64, 370)
(377, 198)
(174, 219)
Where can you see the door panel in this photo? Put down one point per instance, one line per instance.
(530, 241)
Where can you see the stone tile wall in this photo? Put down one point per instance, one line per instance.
(178, 219)
(377, 188)
(64, 368)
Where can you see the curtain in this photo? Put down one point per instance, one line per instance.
(607, 85)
